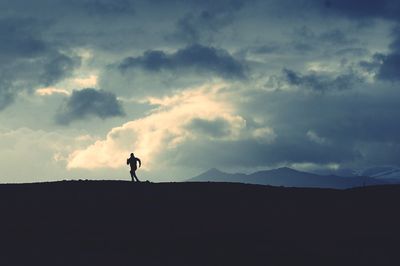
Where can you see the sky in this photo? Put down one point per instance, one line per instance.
(240, 85)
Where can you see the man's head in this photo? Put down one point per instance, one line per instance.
(132, 155)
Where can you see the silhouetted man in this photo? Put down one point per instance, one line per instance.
(132, 161)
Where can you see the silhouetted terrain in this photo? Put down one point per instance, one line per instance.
(291, 178)
(121, 223)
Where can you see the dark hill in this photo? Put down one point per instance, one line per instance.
(288, 177)
(121, 223)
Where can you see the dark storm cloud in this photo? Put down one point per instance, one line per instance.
(334, 37)
(360, 9)
(390, 68)
(395, 45)
(305, 41)
(27, 60)
(109, 7)
(320, 82)
(251, 153)
(214, 128)
(89, 103)
(203, 24)
(351, 129)
(187, 30)
(195, 57)
(386, 66)
(353, 51)
(267, 49)
(347, 120)
(58, 67)
(346, 128)
(390, 63)
(374, 64)
(312, 42)
(19, 39)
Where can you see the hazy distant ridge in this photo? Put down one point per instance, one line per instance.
(289, 178)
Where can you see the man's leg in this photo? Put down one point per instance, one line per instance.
(134, 174)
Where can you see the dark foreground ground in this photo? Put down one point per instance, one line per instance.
(120, 223)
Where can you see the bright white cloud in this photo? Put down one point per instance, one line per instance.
(163, 129)
(86, 82)
(50, 91)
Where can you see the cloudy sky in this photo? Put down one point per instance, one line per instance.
(240, 85)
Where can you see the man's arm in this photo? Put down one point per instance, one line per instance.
(127, 161)
(140, 163)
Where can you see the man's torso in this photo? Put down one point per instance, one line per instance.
(133, 162)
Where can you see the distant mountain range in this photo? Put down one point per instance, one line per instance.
(288, 177)
(378, 172)
(383, 172)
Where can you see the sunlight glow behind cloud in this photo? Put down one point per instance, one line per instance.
(86, 82)
(163, 129)
(50, 91)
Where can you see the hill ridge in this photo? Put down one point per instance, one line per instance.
(123, 223)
